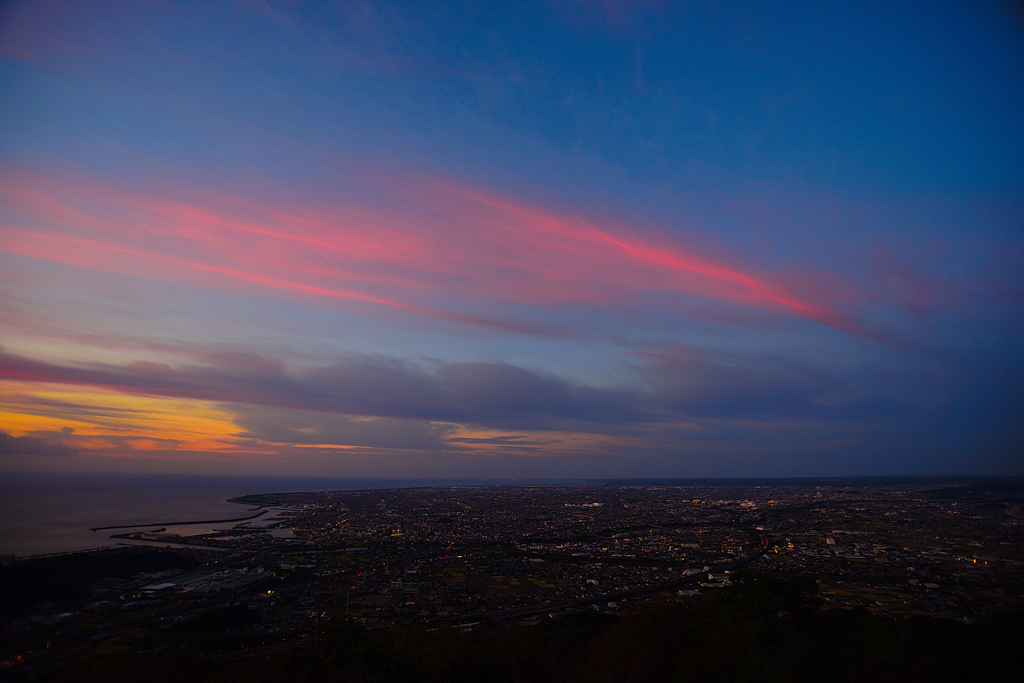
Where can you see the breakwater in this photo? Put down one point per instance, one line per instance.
(167, 524)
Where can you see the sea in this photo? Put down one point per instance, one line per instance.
(43, 514)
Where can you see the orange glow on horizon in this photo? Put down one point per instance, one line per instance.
(106, 421)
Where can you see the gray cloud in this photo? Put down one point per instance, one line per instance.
(518, 440)
(681, 405)
(33, 446)
(496, 395)
(305, 427)
(676, 398)
(492, 395)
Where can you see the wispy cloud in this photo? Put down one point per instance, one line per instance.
(437, 249)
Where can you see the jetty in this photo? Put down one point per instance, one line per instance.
(167, 524)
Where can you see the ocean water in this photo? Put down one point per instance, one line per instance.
(53, 513)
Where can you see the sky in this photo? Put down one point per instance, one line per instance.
(545, 239)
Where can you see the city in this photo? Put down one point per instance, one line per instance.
(508, 557)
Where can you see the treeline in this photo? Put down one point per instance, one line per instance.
(761, 629)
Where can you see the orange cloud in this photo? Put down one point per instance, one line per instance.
(111, 422)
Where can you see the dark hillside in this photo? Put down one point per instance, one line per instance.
(65, 577)
(760, 629)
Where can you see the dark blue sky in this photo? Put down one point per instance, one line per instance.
(564, 239)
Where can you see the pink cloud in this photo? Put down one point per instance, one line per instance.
(632, 262)
(440, 249)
